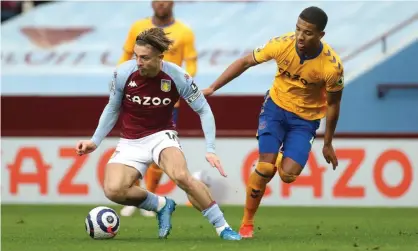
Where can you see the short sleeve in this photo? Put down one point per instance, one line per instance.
(335, 80)
(268, 51)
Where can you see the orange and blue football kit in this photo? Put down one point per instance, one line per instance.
(296, 102)
(291, 112)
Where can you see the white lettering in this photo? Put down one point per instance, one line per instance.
(147, 101)
(156, 101)
(193, 97)
(136, 99)
(166, 101)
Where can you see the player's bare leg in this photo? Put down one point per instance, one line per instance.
(152, 179)
(289, 170)
(173, 162)
(119, 187)
(130, 210)
(263, 173)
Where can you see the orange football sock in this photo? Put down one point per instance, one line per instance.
(256, 187)
(153, 177)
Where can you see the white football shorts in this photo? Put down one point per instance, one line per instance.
(140, 153)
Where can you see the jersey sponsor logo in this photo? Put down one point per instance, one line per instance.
(295, 77)
(165, 85)
(148, 101)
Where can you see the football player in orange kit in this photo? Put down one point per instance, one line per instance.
(307, 87)
(182, 51)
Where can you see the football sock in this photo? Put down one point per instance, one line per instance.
(153, 177)
(256, 187)
(215, 217)
(153, 202)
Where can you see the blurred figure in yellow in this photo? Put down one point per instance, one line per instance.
(182, 51)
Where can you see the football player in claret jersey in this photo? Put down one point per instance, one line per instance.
(307, 87)
(143, 93)
(182, 51)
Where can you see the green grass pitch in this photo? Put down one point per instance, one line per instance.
(61, 228)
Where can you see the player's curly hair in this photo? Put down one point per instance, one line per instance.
(316, 16)
(156, 37)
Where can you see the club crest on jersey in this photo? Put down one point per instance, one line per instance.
(165, 85)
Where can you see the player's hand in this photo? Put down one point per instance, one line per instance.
(329, 155)
(85, 147)
(215, 162)
(208, 91)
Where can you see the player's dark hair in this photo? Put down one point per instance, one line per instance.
(156, 37)
(316, 16)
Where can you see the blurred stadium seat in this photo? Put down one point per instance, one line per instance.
(79, 44)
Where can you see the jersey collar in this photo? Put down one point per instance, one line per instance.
(162, 26)
(303, 57)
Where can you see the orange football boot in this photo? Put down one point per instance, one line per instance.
(246, 231)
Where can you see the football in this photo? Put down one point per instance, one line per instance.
(102, 223)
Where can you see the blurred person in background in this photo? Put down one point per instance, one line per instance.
(10, 9)
(182, 51)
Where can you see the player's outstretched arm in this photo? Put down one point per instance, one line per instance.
(333, 113)
(107, 120)
(189, 91)
(232, 72)
(209, 130)
(264, 53)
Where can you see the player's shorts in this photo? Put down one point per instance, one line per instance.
(139, 153)
(280, 128)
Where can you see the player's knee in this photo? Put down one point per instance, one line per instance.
(286, 177)
(114, 191)
(266, 170)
